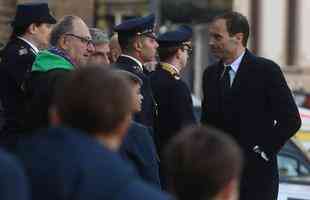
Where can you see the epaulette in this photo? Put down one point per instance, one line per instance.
(168, 68)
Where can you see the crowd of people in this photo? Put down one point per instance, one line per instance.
(85, 118)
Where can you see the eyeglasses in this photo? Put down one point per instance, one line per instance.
(86, 41)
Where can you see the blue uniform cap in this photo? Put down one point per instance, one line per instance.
(180, 36)
(137, 26)
(28, 13)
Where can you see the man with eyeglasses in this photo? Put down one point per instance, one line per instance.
(102, 49)
(31, 29)
(173, 97)
(138, 44)
(71, 48)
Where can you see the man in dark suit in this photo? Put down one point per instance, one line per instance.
(138, 44)
(81, 162)
(247, 96)
(175, 107)
(31, 29)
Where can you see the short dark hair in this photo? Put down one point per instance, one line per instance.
(125, 42)
(236, 23)
(166, 53)
(94, 99)
(200, 161)
(65, 25)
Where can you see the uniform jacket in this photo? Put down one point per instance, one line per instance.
(175, 107)
(68, 164)
(139, 149)
(259, 110)
(16, 61)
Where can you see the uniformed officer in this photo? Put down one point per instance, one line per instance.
(138, 44)
(175, 109)
(31, 28)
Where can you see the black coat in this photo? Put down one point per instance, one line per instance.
(16, 60)
(175, 107)
(64, 163)
(41, 91)
(139, 149)
(259, 110)
(147, 114)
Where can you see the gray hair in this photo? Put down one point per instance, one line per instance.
(99, 36)
(65, 25)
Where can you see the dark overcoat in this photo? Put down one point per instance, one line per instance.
(258, 110)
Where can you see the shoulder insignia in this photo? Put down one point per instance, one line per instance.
(22, 51)
(137, 68)
(170, 70)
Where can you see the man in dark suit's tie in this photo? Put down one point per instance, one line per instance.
(226, 80)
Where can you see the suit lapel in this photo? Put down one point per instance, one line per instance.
(217, 89)
(243, 71)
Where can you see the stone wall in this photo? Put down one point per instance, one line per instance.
(7, 11)
(82, 8)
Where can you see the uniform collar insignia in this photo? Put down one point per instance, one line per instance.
(137, 68)
(22, 51)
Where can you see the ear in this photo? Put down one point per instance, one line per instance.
(138, 44)
(63, 42)
(32, 28)
(239, 37)
(230, 191)
(178, 53)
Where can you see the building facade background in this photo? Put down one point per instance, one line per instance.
(280, 29)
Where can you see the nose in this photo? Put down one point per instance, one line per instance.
(107, 59)
(91, 48)
(156, 44)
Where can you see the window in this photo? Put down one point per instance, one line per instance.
(289, 166)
